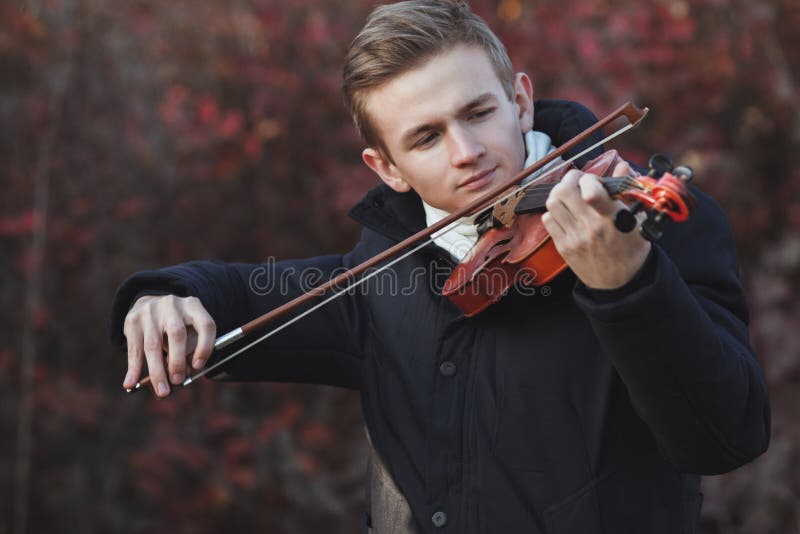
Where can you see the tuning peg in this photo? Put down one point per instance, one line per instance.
(651, 228)
(684, 172)
(625, 219)
(659, 164)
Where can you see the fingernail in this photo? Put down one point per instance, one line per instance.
(197, 364)
(177, 378)
(163, 389)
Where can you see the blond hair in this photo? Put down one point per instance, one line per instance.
(399, 37)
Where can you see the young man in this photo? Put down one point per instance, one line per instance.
(592, 409)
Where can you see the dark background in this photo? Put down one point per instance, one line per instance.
(142, 133)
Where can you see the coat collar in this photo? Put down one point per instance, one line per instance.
(399, 215)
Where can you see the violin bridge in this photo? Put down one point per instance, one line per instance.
(503, 211)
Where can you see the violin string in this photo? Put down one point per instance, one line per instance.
(537, 196)
(616, 183)
(544, 171)
(547, 170)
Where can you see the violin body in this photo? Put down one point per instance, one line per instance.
(519, 250)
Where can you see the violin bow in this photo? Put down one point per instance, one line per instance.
(421, 239)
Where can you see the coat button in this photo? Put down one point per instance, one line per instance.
(448, 368)
(439, 519)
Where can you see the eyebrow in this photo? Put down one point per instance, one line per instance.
(407, 138)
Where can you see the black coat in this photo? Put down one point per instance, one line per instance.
(567, 411)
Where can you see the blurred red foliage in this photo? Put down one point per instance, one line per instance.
(146, 133)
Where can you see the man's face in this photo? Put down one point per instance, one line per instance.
(450, 128)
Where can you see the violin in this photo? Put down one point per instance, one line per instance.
(666, 196)
(515, 248)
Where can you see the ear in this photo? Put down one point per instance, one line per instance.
(384, 168)
(523, 97)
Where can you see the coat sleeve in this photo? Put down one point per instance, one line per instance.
(677, 335)
(321, 348)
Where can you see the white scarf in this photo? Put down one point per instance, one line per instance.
(463, 237)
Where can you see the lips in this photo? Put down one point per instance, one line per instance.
(478, 181)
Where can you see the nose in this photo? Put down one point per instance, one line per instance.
(465, 148)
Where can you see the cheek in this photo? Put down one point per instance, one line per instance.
(511, 142)
(425, 175)
(516, 153)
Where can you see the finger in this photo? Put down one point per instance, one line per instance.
(176, 355)
(135, 357)
(595, 195)
(568, 194)
(558, 208)
(174, 327)
(622, 168)
(206, 330)
(571, 178)
(553, 228)
(191, 340)
(155, 359)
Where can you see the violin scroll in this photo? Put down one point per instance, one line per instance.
(662, 193)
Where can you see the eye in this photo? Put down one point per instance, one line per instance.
(427, 140)
(481, 113)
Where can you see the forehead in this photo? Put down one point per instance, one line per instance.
(432, 91)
